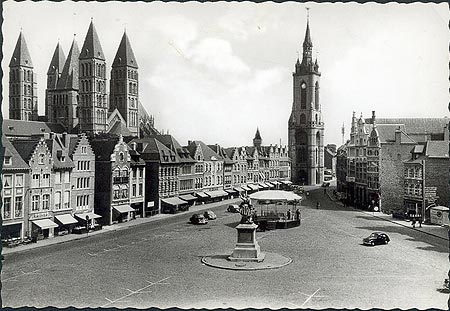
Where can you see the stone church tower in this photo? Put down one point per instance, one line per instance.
(22, 84)
(305, 126)
(93, 102)
(124, 85)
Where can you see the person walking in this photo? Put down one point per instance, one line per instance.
(288, 214)
(317, 205)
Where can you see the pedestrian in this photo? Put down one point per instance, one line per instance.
(413, 222)
(420, 222)
(317, 205)
(288, 214)
(297, 214)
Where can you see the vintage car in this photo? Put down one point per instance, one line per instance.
(198, 219)
(376, 238)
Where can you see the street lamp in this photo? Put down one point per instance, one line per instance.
(87, 225)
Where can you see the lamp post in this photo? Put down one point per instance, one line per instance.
(87, 225)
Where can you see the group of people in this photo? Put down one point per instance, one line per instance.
(289, 214)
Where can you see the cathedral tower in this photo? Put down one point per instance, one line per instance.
(53, 75)
(22, 84)
(93, 102)
(124, 85)
(305, 126)
(257, 141)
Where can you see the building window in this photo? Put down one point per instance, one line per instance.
(46, 180)
(57, 177)
(140, 189)
(303, 95)
(35, 203)
(66, 199)
(7, 160)
(7, 183)
(45, 201)
(7, 208)
(18, 210)
(58, 200)
(66, 177)
(35, 182)
(41, 158)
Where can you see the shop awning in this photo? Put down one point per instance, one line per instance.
(253, 187)
(45, 223)
(286, 182)
(123, 209)
(276, 183)
(66, 219)
(201, 194)
(270, 184)
(187, 197)
(216, 193)
(239, 189)
(90, 214)
(246, 188)
(174, 201)
(261, 175)
(231, 191)
(263, 185)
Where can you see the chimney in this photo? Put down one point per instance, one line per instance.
(64, 139)
(189, 142)
(398, 136)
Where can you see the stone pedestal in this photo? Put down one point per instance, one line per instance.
(247, 248)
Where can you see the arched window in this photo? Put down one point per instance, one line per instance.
(303, 95)
(316, 119)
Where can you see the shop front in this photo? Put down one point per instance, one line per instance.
(188, 198)
(232, 193)
(12, 233)
(42, 229)
(216, 195)
(86, 220)
(201, 197)
(122, 213)
(173, 205)
(66, 223)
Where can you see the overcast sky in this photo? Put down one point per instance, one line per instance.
(216, 71)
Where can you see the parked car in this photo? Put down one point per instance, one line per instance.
(209, 215)
(198, 219)
(233, 208)
(376, 238)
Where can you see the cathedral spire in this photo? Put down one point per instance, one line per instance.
(69, 75)
(92, 47)
(125, 55)
(57, 61)
(21, 55)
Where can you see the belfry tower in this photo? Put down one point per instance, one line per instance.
(305, 126)
(22, 84)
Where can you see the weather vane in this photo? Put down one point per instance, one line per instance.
(307, 13)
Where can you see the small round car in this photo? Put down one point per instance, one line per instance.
(198, 219)
(233, 208)
(376, 238)
(209, 215)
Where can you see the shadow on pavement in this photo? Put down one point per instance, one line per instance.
(232, 224)
(407, 232)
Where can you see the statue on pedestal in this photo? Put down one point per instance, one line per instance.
(246, 210)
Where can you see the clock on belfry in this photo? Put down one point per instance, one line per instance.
(303, 85)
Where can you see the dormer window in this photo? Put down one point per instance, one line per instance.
(84, 149)
(7, 161)
(41, 158)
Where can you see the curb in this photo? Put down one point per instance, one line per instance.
(406, 226)
(105, 230)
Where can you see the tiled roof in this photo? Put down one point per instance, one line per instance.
(119, 128)
(55, 147)
(437, 149)
(222, 152)
(153, 149)
(125, 55)
(416, 125)
(208, 153)
(21, 55)
(58, 61)
(17, 161)
(25, 148)
(19, 128)
(170, 142)
(386, 133)
(91, 46)
(69, 75)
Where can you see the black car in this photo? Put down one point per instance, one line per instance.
(376, 238)
(198, 219)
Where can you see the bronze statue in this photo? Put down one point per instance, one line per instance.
(246, 210)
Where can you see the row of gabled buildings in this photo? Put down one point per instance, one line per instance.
(398, 165)
(59, 183)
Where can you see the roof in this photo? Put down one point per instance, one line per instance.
(54, 145)
(416, 125)
(208, 153)
(386, 133)
(222, 152)
(152, 149)
(69, 75)
(58, 61)
(21, 55)
(307, 42)
(125, 55)
(119, 128)
(17, 161)
(170, 142)
(437, 149)
(418, 149)
(91, 46)
(25, 148)
(257, 135)
(20, 128)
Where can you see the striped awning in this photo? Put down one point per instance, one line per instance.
(246, 188)
(263, 185)
(286, 182)
(231, 191)
(90, 214)
(276, 183)
(239, 189)
(174, 201)
(270, 184)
